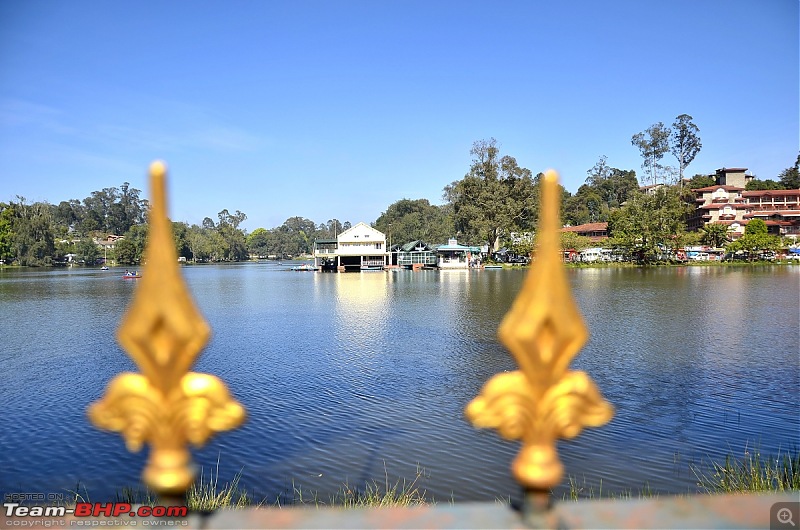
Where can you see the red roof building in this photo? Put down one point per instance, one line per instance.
(728, 203)
(594, 231)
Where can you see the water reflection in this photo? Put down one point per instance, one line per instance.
(361, 311)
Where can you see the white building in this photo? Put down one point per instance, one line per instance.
(455, 256)
(360, 247)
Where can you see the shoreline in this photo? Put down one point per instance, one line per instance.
(568, 264)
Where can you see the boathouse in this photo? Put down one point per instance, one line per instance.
(455, 256)
(360, 247)
(416, 255)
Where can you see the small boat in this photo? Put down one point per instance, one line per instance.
(491, 267)
(131, 275)
(304, 267)
(103, 268)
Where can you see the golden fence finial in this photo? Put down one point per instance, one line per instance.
(542, 401)
(163, 332)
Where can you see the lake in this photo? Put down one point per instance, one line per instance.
(356, 377)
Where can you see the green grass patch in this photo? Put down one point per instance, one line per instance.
(753, 472)
(582, 491)
(373, 494)
(209, 493)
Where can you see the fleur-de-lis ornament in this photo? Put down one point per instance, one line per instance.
(542, 401)
(165, 406)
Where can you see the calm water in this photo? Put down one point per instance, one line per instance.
(348, 377)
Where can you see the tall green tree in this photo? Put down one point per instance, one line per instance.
(715, 234)
(768, 184)
(87, 251)
(756, 227)
(755, 239)
(684, 142)
(7, 215)
(790, 177)
(137, 235)
(649, 223)
(496, 196)
(571, 240)
(612, 184)
(700, 181)
(125, 252)
(587, 206)
(408, 220)
(33, 242)
(653, 144)
(606, 188)
(235, 246)
(258, 242)
(180, 234)
(333, 228)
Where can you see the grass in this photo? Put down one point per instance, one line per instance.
(583, 491)
(753, 472)
(207, 494)
(373, 494)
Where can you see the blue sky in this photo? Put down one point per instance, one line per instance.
(337, 109)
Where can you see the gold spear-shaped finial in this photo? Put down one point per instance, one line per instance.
(163, 332)
(542, 401)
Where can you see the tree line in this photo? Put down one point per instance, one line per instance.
(43, 234)
(496, 202)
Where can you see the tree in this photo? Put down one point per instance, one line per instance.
(653, 144)
(684, 142)
(599, 173)
(649, 224)
(125, 252)
(200, 242)
(180, 235)
(755, 239)
(590, 204)
(32, 241)
(700, 181)
(574, 241)
(768, 184)
(621, 185)
(790, 177)
(257, 242)
(334, 228)
(137, 235)
(67, 215)
(606, 188)
(409, 220)
(495, 196)
(756, 227)
(234, 247)
(715, 234)
(87, 251)
(7, 215)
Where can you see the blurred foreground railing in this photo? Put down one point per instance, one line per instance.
(168, 407)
